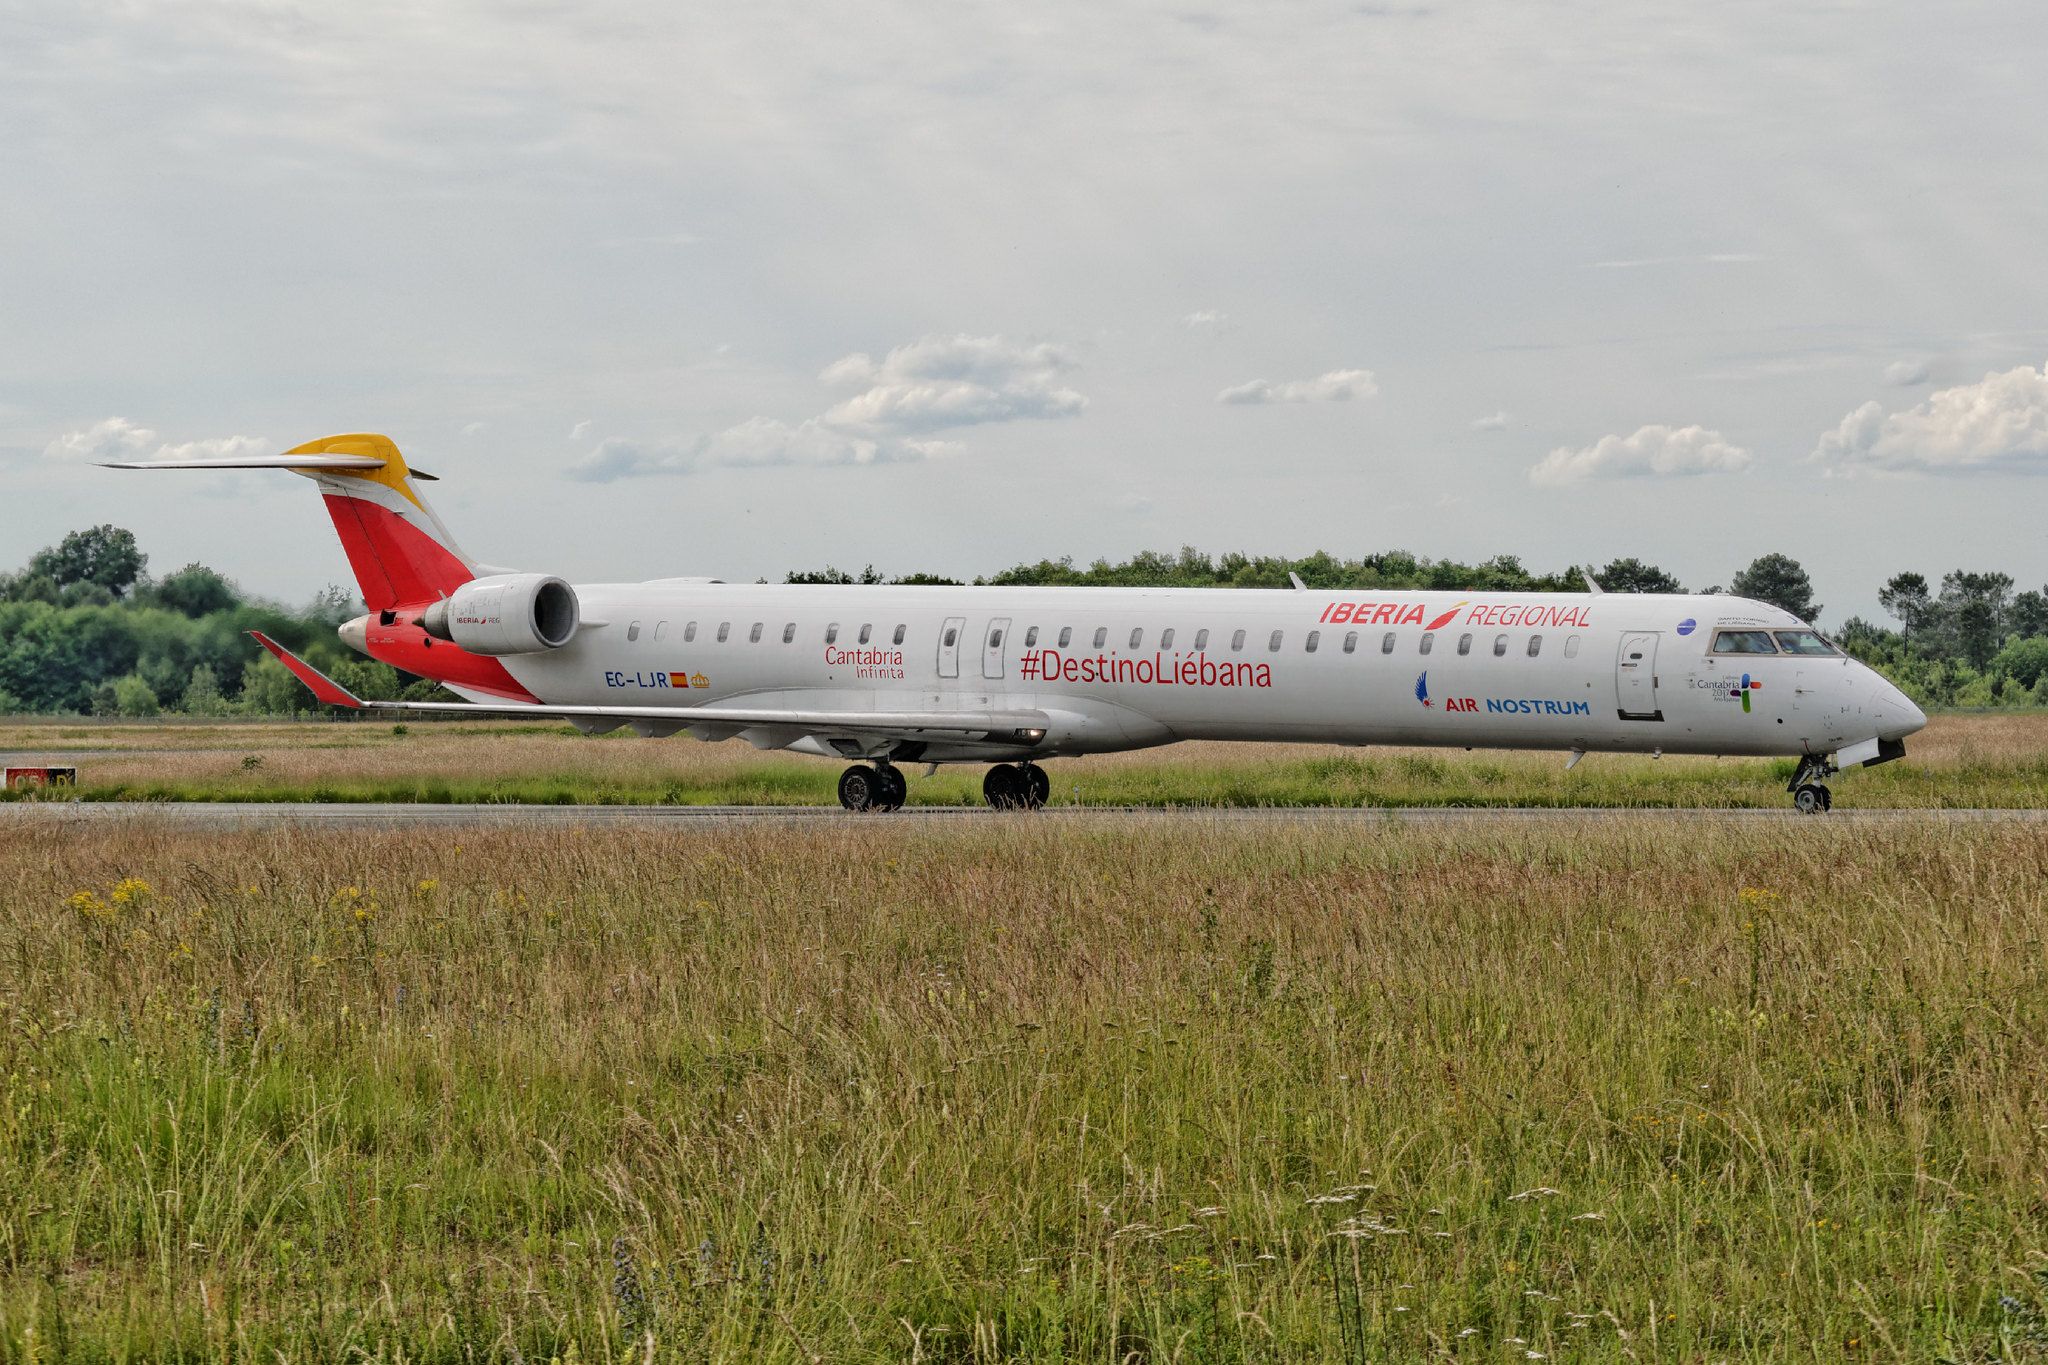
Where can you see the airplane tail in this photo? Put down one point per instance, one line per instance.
(401, 553)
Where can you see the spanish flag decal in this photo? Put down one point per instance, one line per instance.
(678, 680)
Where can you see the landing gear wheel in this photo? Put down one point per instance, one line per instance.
(893, 789)
(1005, 788)
(860, 788)
(1039, 786)
(1812, 798)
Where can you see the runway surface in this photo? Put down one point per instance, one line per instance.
(259, 815)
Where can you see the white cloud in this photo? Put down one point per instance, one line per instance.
(2000, 422)
(1659, 450)
(216, 448)
(472, 428)
(1905, 373)
(1497, 421)
(1335, 387)
(926, 386)
(1204, 318)
(953, 381)
(117, 438)
(576, 432)
(113, 438)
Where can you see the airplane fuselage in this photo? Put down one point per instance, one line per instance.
(1128, 668)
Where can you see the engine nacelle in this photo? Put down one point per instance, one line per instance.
(514, 613)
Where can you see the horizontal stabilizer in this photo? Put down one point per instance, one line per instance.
(311, 463)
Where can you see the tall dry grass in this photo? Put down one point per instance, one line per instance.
(1025, 1090)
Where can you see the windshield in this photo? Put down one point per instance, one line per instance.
(1804, 642)
(1743, 642)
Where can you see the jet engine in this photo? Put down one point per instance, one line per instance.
(514, 613)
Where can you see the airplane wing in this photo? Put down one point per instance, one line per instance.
(1021, 726)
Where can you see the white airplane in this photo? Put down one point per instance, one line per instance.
(888, 676)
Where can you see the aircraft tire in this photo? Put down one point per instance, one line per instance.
(1005, 788)
(1811, 799)
(1037, 786)
(894, 789)
(859, 788)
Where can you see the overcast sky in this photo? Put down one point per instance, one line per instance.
(663, 289)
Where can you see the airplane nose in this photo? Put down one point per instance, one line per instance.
(1896, 714)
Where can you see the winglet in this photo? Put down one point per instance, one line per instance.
(1295, 579)
(1592, 583)
(324, 688)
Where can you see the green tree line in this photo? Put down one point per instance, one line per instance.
(86, 629)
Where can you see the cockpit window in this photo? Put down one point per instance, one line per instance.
(1743, 642)
(1804, 642)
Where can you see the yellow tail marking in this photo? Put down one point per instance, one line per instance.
(391, 475)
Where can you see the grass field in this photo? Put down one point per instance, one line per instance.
(1959, 761)
(1026, 1090)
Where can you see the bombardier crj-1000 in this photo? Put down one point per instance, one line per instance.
(890, 676)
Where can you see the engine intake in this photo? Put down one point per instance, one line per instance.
(514, 613)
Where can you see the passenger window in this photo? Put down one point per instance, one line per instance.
(1202, 638)
(724, 629)
(754, 635)
(1066, 636)
(1350, 642)
(995, 639)
(1236, 641)
(633, 631)
(789, 633)
(1535, 645)
(1274, 643)
(1166, 638)
(1137, 637)
(1315, 637)
(1743, 642)
(1387, 643)
(866, 630)
(832, 634)
(1101, 636)
(1465, 643)
(1571, 646)
(897, 638)
(1428, 641)
(951, 635)
(689, 632)
(1500, 646)
(1803, 642)
(1030, 637)
(660, 629)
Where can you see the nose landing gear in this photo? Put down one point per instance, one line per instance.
(1023, 787)
(1809, 794)
(880, 788)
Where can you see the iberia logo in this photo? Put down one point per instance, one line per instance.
(1744, 688)
(1422, 687)
(1445, 619)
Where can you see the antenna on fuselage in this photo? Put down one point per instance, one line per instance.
(1592, 583)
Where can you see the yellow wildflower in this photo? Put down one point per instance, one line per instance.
(128, 889)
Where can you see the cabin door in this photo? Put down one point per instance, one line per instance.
(949, 646)
(1635, 676)
(992, 647)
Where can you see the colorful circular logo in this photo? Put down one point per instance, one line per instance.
(1688, 626)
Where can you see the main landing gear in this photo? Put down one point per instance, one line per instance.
(1809, 793)
(1023, 787)
(880, 788)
